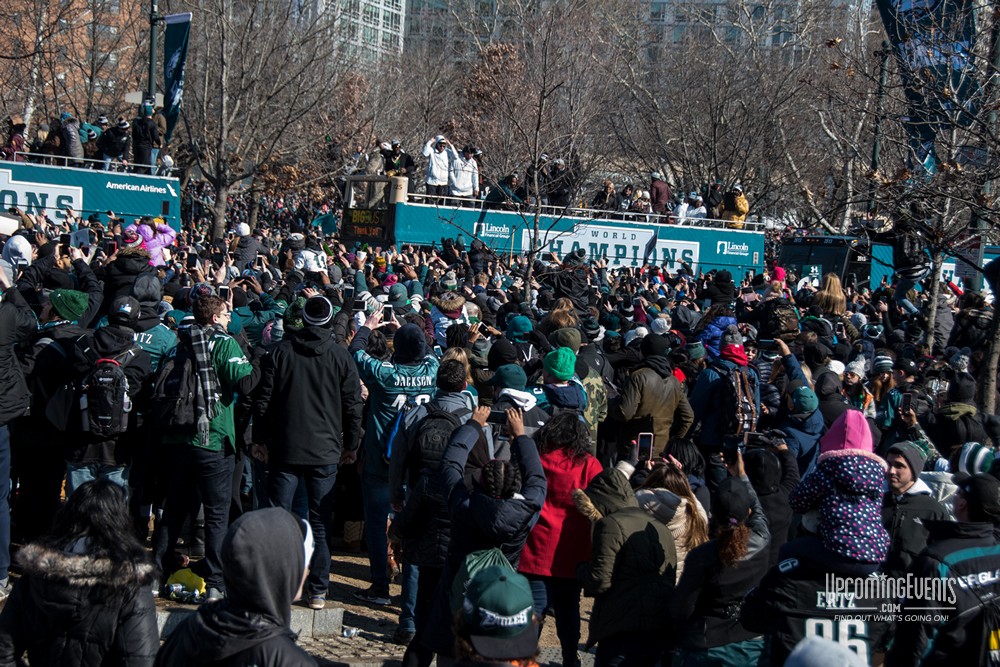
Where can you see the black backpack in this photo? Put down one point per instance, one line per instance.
(737, 405)
(782, 320)
(104, 395)
(433, 432)
(175, 393)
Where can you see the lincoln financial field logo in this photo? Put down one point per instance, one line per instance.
(730, 248)
(492, 231)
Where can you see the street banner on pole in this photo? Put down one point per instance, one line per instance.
(174, 57)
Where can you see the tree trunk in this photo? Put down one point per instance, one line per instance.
(989, 398)
(936, 263)
(254, 204)
(219, 210)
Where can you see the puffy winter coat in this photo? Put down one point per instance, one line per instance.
(72, 146)
(154, 243)
(120, 274)
(71, 608)
(561, 538)
(632, 568)
(654, 400)
(447, 309)
(846, 488)
(711, 335)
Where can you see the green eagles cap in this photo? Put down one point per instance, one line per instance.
(498, 614)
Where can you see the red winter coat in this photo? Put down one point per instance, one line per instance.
(561, 538)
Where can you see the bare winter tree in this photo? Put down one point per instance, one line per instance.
(542, 85)
(257, 71)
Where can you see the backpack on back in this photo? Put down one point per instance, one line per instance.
(783, 321)
(737, 401)
(433, 432)
(175, 392)
(104, 396)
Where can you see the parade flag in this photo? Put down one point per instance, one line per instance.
(174, 58)
(933, 42)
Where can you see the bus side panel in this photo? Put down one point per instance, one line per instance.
(621, 243)
(881, 264)
(31, 187)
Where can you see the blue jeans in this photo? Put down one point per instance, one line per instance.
(629, 649)
(78, 474)
(375, 492)
(563, 596)
(282, 483)
(4, 501)
(408, 603)
(904, 285)
(196, 473)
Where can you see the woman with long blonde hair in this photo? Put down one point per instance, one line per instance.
(666, 495)
(830, 297)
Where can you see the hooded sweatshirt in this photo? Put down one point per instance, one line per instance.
(17, 251)
(263, 564)
(151, 334)
(846, 488)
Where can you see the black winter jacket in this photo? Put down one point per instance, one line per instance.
(969, 552)
(905, 518)
(17, 324)
(707, 600)
(773, 495)
(74, 609)
(480, 522)
(120, 274)
(791, 601)
(308, 404)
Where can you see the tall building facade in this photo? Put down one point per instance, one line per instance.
(371, 30)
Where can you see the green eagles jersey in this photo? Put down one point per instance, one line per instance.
(390, 387)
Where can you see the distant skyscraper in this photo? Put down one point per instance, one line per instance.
(371, 29)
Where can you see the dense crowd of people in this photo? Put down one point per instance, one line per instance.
(699, 453)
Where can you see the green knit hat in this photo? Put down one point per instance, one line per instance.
(69, 303)
(560, 363)
(292, 320)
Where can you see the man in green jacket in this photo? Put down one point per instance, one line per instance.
(204, 462)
